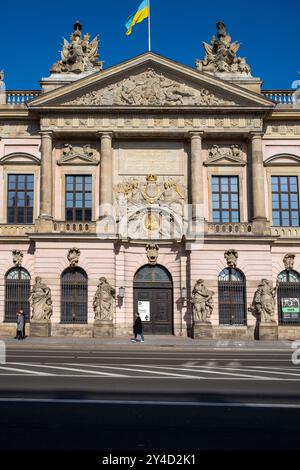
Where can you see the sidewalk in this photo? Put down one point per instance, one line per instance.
(169, 343)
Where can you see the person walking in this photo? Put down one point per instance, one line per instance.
(24, 327)
(20, 325)
(138, 329)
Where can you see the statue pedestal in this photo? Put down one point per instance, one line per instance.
(102, 329)
(268, 331)
(202, 330)
(40, 329)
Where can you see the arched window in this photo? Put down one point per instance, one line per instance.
(17, 292)
(232, 297)
(74, 296)
(288, 297)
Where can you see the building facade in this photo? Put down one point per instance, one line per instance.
(150, 186)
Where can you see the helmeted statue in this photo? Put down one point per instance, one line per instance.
(40, 301)
(79, 55)
(263, 304)
(103, 300)
(221, 55)
(202, 301)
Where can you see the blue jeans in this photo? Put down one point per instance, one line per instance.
(141, 335)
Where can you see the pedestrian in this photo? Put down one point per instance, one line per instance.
(24, 328)
(17, 313)
(20, 325)
(138, 329)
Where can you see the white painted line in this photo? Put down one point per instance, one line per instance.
(150, 403)
(106, 374)
(32, 372)
(133, 369)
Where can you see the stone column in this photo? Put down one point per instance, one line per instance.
(106, 192)
(196, 173)
(46, 174)
(258, 179)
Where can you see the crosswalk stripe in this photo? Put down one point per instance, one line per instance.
(32, 372)
(106, 374)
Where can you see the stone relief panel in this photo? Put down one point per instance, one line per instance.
(19, 128)
(150, 121)
(281, 128)
(218, 153)
(84, 153)
(150, 88)
(152, 207)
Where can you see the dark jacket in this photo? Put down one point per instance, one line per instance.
(20, 323)
(138, 327)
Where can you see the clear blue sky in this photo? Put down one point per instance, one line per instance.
(32, 32)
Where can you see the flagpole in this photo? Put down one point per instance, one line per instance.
(149, 26)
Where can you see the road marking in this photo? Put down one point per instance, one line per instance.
(14, 369)
(150, 403)
(70, 369)
(133, 369)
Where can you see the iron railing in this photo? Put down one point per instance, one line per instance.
(74, 296)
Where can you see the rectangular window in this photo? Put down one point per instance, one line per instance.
(78, 198)
(20, 200)
(225, 199)
(285, 201)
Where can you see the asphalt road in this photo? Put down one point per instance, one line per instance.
(67, 399)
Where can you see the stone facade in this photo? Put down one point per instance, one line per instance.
(122, 164)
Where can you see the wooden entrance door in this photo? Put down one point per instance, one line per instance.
(153, 289)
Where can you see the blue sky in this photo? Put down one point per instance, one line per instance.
(32, 32)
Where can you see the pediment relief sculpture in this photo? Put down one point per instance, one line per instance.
(221, 55)
(150, 88)
(85, 153)
(233, 153)
(79, 55)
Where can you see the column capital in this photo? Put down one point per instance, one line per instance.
(196, 134)
(46, 134)
(106, 134)
(256, 135)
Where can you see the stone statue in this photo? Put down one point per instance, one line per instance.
(79, 55)
(2, 88)
(17, 258)
(152, 253)
(221, 55)
(231, 257)
(263, 304)
(40, 301)
(289, 261)
(103, 300)
(73, 256)
(202, 301)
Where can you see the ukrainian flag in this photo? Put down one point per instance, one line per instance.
(141, 14)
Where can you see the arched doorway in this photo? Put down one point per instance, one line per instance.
(17, 292)
(153, 299)
(232, 297)
(74, 296)
(288, 297)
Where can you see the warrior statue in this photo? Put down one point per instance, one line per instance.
(221, 55)
(263, 305)
(103, 300)
(40, 301)
(79, 55)
(202, 301)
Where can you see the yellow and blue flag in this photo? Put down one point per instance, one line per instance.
(141, 14)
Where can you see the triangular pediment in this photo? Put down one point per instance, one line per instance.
(150, 81)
